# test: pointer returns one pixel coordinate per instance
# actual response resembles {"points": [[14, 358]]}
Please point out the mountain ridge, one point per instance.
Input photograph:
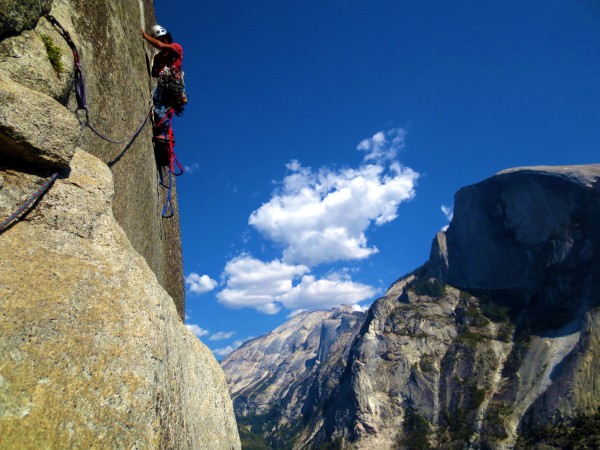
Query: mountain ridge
{"points": [[491, 342]]}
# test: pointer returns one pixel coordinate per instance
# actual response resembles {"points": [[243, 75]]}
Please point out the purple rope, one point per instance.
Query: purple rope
{"points": [[80, 90], [80, 94], [113, 141], [37, 194]]}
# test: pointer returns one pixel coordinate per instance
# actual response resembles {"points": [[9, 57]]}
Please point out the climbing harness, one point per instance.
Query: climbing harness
{"points": [[32, 198]]}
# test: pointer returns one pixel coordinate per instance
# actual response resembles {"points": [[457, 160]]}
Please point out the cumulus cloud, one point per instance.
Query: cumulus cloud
{"points": [[384, 145], [316, 217], [270, 286], [199, 332], [322, 216], [221, 335], [360, 308], [199, 284], [325, 293], [257, 284]]}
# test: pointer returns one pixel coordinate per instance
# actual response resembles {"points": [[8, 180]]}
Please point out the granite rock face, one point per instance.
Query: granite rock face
{"points": [[115, 65], [492, 344], [515, 229], [25, 117], [93, 352], [19, 15]]}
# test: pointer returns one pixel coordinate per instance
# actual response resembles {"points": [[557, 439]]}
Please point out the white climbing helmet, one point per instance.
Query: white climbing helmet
{"points": [[158, 31]]}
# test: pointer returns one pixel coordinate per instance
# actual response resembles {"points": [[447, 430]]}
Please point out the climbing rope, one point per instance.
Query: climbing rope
{"points": [[85, 123], [168, 210], [36, 195], [80, 94]]}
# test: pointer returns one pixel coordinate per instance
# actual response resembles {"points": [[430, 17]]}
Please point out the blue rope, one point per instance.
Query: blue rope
{"points": [[86, 124], [32, 198], [168, 210]]}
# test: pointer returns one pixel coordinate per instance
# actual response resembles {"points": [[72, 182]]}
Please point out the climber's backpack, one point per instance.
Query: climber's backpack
{"points": [[171, 85]]}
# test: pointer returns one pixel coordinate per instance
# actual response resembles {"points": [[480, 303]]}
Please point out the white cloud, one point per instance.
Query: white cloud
{"points": [[221, 335], [269, 287], [311, 293], [199, 332], [360, 308], [257, 284], [322, 216], [383, 146], [200, 284], [448, 212], [224, 351]]}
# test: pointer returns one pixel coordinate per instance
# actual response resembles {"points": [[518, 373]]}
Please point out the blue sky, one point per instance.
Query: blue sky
{"points": [[324, 140]]}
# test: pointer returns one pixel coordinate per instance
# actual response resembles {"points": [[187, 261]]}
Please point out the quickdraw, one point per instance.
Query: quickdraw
{"points": [[80, 91]]}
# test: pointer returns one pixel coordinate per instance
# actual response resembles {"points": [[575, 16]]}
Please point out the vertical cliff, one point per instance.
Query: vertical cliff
{"points": [[92, 347], [115, 64], [116, 68]]}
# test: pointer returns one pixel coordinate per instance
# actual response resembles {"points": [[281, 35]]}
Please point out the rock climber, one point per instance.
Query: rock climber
{"points": [[169, 97]]}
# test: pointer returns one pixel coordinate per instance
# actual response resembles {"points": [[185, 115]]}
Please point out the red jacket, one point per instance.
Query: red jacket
{"points": [[171, 56]]}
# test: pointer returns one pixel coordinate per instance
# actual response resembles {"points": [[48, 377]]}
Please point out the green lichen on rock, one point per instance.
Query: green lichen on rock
{"points": [[54, 54]]}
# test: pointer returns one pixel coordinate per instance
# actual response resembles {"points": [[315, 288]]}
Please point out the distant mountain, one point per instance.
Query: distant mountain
{"points": [[492, 344], [273, 375]]}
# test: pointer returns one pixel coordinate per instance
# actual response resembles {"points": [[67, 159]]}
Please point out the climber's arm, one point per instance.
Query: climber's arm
{"points": [[156, 43]]}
